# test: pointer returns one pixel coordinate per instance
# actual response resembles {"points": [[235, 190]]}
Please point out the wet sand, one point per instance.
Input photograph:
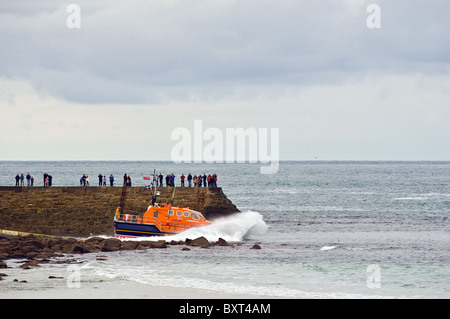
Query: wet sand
{"points": [[54, 283], [123, 290]]}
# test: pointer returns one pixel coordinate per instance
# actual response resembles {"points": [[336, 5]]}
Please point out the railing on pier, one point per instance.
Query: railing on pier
{"points": [[128, 218]]}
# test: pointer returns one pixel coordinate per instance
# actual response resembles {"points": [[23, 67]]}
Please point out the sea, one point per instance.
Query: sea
{"points": [[326, 229]]}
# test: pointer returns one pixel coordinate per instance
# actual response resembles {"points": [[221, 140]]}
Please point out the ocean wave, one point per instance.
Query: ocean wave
{"points": [[411, 198], [154, 278], [233, 228]]}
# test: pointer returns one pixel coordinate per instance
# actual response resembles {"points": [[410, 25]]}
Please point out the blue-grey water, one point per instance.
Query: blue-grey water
{"points": [[326, 229]]}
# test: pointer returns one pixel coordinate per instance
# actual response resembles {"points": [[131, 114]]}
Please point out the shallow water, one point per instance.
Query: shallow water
{"points": [[327, 230]]}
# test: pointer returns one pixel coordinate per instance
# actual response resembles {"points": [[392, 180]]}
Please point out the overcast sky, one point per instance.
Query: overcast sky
{"points": [[137, 70]]}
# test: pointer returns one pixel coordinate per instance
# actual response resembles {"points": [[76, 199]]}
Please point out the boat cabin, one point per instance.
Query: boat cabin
{"points": [[168, 218]]}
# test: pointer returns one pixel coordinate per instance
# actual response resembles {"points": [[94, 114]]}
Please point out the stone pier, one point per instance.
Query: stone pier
{"points": [[88, 211]]}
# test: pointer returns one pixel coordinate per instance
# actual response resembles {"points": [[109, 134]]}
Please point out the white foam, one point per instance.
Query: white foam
{"points": [[154, 278], [233, 228], [327, 247], [411, 198]]}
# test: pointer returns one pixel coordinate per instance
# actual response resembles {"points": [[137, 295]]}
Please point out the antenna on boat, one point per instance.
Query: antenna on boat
{"points": [[173, 194], [122, 198]]}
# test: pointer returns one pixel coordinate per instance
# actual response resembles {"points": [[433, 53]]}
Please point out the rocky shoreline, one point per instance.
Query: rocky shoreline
{"points": [[37, 249]]}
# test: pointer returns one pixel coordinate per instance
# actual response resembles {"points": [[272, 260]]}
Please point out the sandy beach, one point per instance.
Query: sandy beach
{"points": [[123, 290], [54, 282]]}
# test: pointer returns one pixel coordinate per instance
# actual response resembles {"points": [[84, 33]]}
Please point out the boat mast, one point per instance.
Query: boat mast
{"points": [[122, 197], [154, 193]]}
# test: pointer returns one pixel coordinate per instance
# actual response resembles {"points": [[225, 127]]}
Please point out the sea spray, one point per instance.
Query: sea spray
{"points": [[232, 228]]}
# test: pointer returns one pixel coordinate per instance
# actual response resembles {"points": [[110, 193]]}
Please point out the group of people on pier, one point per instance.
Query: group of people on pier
{"points": [[20, 180], [195, 181], [84, 180], [158, 180]]}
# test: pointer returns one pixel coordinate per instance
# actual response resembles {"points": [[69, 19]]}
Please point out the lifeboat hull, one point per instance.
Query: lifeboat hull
{"points": [[133, 230]]}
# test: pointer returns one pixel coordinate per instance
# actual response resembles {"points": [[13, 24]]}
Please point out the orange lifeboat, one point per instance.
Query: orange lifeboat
{"points": [[158, 220]]}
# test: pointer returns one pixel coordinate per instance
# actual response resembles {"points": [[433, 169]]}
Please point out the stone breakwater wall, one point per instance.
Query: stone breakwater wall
{"points": [[88, 211]]}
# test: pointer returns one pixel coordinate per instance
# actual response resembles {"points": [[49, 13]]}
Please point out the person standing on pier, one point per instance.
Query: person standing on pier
{"points": [[45, 178]]}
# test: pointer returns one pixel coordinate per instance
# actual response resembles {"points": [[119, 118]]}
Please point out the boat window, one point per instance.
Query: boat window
{"points": [[179, 213], [170, 212], [194, 216], [155, 214], [201, 216], [186, 214]]}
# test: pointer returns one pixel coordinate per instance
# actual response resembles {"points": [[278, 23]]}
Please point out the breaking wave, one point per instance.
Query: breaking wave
{"points": [[233, 228]]}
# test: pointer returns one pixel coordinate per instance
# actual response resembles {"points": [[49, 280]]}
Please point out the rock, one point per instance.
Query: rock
{"points": [[256, 246], [68, 240], [198, 242], [37, 244], [129, 245], [94, 240], [32, 255], [101, 258], [160, 244], [111, 244], [2, 265], [92, 247], [68, 248], [185, 249], [79, 249], [221, 242], [154, 244]]}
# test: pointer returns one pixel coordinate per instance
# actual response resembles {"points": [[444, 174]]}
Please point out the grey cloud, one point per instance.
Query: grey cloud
{"points": [[143, 52]]}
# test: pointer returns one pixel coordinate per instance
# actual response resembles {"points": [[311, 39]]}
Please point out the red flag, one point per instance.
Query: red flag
{"points": [[146, 178]]}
